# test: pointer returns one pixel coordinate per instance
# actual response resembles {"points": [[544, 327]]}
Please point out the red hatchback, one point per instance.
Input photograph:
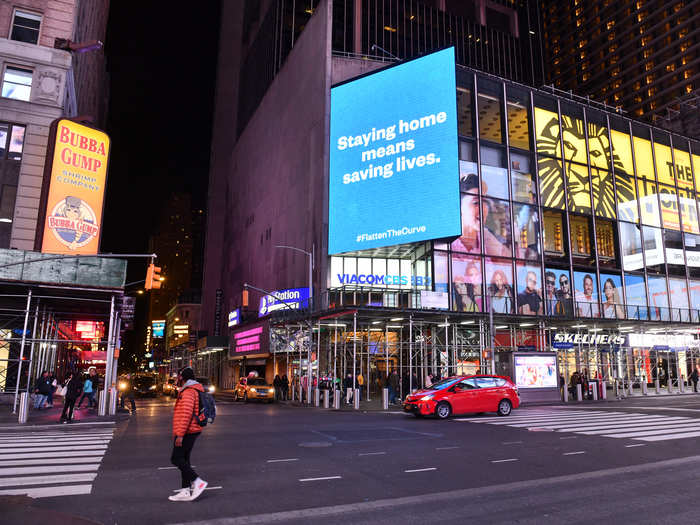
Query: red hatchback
{"points": [[464, 394]]}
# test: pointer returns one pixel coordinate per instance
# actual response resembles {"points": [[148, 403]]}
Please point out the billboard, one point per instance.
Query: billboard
{"points": [[536, 371], [158, 329], [253, 339], [292, 298], [76, 178], [394, 170]]}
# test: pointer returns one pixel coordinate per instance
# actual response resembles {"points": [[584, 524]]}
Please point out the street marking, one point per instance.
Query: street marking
{"points": [[281, 460], [50, 461], [320, 479], [14, 427], [672, 436], [52, 442], [42, 470], [49, 492], [45, 480], [569, 437], [371, 453], [511, 442], [54, 449], [636, 445], [41, 454], [421, 469], [574, 453], [207, 488], [503, 460], [446, 448]]}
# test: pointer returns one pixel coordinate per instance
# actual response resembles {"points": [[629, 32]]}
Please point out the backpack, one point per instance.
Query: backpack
{"points": [[207, 409]]}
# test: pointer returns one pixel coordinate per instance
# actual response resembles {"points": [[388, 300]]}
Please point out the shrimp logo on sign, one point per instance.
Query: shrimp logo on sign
{"points": [[73, 223]]}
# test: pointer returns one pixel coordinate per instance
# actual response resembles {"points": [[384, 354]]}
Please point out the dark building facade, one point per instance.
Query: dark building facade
{"points": [[638, 55], [574, 220]]}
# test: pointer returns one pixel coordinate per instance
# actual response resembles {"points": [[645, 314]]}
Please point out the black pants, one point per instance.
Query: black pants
{"points": [[68, 405], [695, 385], [131, 398], [181, 459]]}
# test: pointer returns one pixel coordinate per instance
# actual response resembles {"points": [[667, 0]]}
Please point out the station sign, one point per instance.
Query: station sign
{"points": [[291, 298]]}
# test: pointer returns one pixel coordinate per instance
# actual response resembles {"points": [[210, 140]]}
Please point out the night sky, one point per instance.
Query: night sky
{"points": [[162, 67]]}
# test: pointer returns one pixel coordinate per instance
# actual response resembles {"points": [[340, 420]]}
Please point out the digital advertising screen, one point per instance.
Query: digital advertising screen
{"points": [[535, 371], [394, 170], [158, 329]]}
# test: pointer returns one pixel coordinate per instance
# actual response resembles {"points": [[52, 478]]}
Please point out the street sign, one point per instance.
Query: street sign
{"points": [[563, 346]]}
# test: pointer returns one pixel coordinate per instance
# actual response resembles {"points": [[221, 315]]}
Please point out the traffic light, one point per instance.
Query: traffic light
{"points": [[153, 278], [244, 301]]}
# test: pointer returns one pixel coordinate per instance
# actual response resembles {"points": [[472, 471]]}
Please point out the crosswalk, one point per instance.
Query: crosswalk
{"points": [[52, 462], [621, 425]]}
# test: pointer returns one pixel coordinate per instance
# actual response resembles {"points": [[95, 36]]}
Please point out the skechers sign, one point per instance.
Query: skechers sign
{"points": [[589, 338], [293, 298], [394, 173]]}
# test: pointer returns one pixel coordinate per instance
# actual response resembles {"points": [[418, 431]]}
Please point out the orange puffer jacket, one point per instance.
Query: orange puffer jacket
{"points": [[186, 408]]}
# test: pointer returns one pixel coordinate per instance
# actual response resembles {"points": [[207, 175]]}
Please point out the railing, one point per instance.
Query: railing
{"points": [[512, 304]]}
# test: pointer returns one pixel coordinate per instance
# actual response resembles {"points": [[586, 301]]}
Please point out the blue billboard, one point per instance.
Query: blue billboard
{"points": [[158, 329], [291, 298], [394, 171]]}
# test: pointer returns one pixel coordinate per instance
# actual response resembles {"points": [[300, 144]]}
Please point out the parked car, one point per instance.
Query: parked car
{"points": [[464, 394], [254, 388]]}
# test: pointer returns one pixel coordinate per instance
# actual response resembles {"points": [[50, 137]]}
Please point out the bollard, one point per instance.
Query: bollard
{"points": [[317, 397], [101, 405], [595, 391], [301, 394], [113, 396], [631, 389], [604, 390], [356, 398], [23, 408], [669, 384], [657, 384], [644, 388], [385, 399], [579, 393], [565, 394], [681, 385], [326, 395], [336, 399]]}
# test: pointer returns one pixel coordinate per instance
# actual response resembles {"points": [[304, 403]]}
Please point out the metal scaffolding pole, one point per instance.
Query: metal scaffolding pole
{"points": [[354, 351], [410, 354], [21, 351], [31, 351], [108, 368]]}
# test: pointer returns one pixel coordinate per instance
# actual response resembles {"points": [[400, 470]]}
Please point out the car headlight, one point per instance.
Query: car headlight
{"points": [[212, 388], [271, 390], [426, 398], [152, 387], [122, 386]]}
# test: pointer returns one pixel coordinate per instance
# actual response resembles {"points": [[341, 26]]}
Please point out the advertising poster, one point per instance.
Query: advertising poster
{"points": [[394, 171], [73, 213], [499, 276], [535, 371], [612, 296], [529, 289], [558, 297], [586, 294]]}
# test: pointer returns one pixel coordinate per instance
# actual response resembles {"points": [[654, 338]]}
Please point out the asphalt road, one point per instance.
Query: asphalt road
{"points": [[635, 460]]}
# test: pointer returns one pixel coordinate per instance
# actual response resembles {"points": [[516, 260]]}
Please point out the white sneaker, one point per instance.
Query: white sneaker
{"points": [[198, 486], [181, 495]]}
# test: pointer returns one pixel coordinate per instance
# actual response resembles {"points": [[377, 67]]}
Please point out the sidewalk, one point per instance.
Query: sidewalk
{"points": [[51, 416]]}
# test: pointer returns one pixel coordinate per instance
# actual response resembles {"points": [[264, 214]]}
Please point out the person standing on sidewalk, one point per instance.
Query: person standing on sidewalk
{"points": [[42, 389], [694, 378], [185, 432], [393, 387], [74, 387]]}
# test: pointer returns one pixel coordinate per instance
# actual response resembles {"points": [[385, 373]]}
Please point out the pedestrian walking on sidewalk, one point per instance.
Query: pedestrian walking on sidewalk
{"points": [[393, 387], [348, 388], [42, 389], [694, 378], [128, 392], [54, 386], [185, 433], [88, 393], [74, 387], [277, 383], [285, 387]]}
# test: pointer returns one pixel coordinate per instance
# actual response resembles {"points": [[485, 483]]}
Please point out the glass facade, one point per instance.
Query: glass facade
{"points": [[569, 211]]}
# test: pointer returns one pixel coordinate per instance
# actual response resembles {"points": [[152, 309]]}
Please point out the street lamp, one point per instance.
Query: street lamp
{"points": [[310, 255]]}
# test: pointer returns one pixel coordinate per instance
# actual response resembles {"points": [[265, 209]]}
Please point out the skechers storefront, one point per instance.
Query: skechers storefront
{"points": [[472, 219]]}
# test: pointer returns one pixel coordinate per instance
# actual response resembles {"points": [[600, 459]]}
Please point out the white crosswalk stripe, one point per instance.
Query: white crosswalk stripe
{"points": [[51, 463], [620, 425]]}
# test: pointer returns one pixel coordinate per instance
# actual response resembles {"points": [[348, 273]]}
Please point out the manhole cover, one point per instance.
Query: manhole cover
{"points": [[316, 444], [540, 429]]}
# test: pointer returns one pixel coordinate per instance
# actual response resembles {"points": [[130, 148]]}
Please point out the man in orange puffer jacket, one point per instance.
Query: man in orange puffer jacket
{"points": [[185, 431]]}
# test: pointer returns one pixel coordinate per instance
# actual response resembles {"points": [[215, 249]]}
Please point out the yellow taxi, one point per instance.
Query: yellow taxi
{"points": [[254, 388]]}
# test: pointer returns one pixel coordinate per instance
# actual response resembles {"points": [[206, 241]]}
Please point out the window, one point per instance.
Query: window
{"points": [[7, 202], [25, 27], [554, 234], [605, 233], [17, 83], [15, 134], [580, 236], [485, 382], [466, 384]]}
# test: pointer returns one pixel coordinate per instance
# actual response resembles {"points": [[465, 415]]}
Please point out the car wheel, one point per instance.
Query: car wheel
{"points": [[245, 397], [443, 410], [235, 397], [504, 407]]}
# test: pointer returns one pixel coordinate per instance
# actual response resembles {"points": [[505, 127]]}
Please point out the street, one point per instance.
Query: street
{"points": [[635, 459]]}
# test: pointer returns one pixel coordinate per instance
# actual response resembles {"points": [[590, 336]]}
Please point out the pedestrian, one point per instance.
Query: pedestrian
{"points": [[88, 393], [277, 383], [185, 433], [348, 388], [393, 387], [360, 380], [285, 387], [54, 386], [428, 380], [694, 378], [128, 392], [42, 389], [74, 387]]}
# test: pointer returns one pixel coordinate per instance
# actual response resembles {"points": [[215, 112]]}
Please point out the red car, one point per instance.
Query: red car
{"points": [[463, 394]]}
